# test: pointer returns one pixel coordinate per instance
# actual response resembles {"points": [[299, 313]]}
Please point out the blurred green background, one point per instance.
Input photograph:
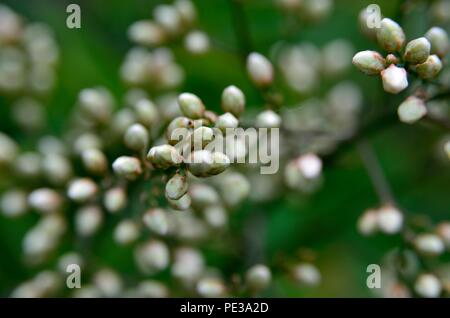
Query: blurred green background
{"points": [[324, 222]]}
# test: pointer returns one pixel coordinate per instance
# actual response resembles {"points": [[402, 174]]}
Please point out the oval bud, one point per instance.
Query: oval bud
{"points": [[368, 222], [8, 149], [390, 35], [94, 161], [307, 274], [164, 156], [115, 199], [390, 219], [45, 200], [191, 106], [136, 137], [126, 232], [204, 163], [430, 68], [428, 286], [233, 100], [429, 244], [146, 112], [260, 70], [201, 137], [196, 42], [146, 33], [258, 277], [440, 44], [411, 110], [88, 220], [181, 204], [176, 187], [157, 221], [369, 62], [225, 121], [268, 119], [13, 203], [82, 190], [127, 167], [394, 79], [417, 51]]}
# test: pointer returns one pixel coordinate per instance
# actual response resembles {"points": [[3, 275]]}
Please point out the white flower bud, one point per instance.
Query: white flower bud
{"points": [[181, 204], [56, 168], [188, 265], [152, 256], [168, 17], [146, 33], [196, 42], [225, 121], [216, 216], [82, 190], [365, 29], [260, 70], [233, 100], [186, 10], [45, 200], [307, 274], [126, 232], [234, 188], [152, 289], [115, 199], [368, 222], [146, 112], [390, 219], [96, 103], [108, 282], [176, 187], [428, 286], [430, 68], [394, 79], [136, 137], [390, 35], [203, 163], [8, 149], [443, 230], [67, 259], [211, 287], [411, 110], [191, 106], [164, 156], [127, 167], [87, 141], [203, 195], [429, 244], [122, 119], [157, 221], [94, 161], [268, 119], [417, 51], [88, 220], [178, 125], [447, 148], [440, 43], [29, 165], [316, 10], [13, 203], [369, 62], [258, 277]]}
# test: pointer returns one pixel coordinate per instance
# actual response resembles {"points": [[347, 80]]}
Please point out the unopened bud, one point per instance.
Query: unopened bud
{"points": [[260, 70], [203, 163], [176, 187], [268, 119], [390, 35], [127, 167], [94, 160], [211, 287], [430, 68], [146, 33], [186, 10], [88, 220], [82, 190], [167, 17], [8, 149], [181, 204], [191, 106], [417, 51], [96, 103], [152, 256], [203, 195], [369, 62], [164, 156], [136, 137], [202, 136], [440, 44], [443, 230], [412, 109], [13, 203], [307, 274], [146, 112], [115, 199], [234, 188], [429, 244], [126, 232], [258, 277], [196, 42], [428, 286], [157, 221], [233, 100], [368, 222], [391, 59], [225, 121], [45, 200], [394, 79], [56, 168], [390, 219]]}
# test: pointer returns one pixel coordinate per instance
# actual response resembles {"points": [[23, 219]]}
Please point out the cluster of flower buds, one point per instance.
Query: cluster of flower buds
{"points": [[386, 219], [421, 56]]}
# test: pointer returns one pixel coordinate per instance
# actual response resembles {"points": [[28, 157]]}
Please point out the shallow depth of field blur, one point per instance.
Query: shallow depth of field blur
{"points": [[279, 229]]}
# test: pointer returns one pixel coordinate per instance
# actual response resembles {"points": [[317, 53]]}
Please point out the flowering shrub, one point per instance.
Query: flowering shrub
{"points": [[142, 174]]}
